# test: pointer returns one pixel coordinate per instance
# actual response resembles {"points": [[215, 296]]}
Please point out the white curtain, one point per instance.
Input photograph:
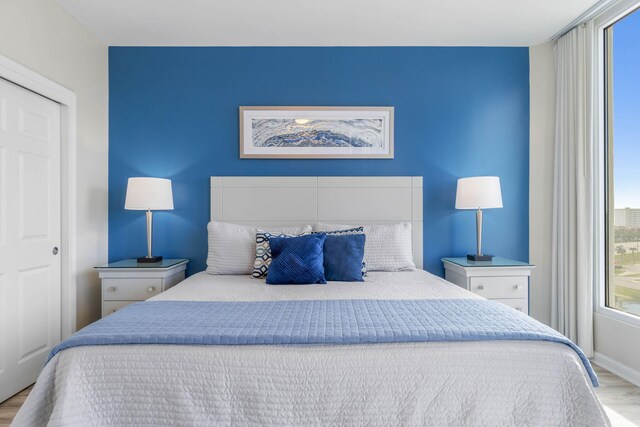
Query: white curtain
{"points": [[573, 208]]}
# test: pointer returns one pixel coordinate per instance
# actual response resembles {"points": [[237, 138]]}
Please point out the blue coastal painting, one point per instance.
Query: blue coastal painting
{"points": [[318, 133], [321, 132]]}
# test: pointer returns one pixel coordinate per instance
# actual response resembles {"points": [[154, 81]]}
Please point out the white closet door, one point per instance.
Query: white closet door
{"points": [[29, 234]]}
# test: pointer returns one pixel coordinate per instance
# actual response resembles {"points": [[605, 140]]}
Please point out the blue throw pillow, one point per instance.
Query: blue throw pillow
{"points": [[343, 257], [354, 230], [296, 260]]}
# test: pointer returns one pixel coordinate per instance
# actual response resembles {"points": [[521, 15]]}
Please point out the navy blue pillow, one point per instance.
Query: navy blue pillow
{"points": [[296, 260], [343, 255]]}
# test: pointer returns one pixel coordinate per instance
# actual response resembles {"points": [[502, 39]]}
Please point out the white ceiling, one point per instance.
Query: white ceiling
{"points": [[325, 22]]}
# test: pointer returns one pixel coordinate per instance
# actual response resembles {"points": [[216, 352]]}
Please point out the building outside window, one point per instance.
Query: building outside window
{"points": [[623, 160]]}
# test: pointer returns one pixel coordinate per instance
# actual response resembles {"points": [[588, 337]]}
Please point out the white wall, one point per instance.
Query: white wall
{"points": [[617, 347], [43, 37], [541, 140]]}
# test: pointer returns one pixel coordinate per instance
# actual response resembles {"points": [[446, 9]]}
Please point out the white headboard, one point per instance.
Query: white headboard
{"points": [[266, 201]]}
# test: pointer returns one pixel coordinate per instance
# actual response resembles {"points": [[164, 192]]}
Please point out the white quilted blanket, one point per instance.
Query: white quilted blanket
{"points": [[460, 383]]}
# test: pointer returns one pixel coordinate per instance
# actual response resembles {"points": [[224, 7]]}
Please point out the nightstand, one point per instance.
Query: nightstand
{"points": [[502, 279], [125, 282]]}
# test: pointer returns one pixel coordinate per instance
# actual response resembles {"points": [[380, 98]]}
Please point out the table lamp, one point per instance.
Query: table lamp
{"points": [[479, 192], [149, 194]]}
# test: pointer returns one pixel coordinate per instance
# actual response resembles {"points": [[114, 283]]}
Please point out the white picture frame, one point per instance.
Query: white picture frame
{"points": [[316, 132]]}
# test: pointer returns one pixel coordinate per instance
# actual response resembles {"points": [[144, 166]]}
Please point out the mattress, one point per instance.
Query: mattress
{"points": [[451, 383], [416, 284]]}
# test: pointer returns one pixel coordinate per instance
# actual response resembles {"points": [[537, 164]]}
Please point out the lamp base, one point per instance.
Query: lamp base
{"points": [[479, 257], [149, 260]]}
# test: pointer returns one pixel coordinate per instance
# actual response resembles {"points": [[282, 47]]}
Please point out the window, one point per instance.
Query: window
{"points": [[622, 111]]}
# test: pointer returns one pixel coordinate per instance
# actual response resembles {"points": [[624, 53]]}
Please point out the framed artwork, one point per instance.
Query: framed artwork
{"points": [[316, 132]]}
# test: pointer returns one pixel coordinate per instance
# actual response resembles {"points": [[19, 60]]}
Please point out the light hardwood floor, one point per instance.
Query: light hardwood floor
{"points": [[9, 408], [620, 399]]}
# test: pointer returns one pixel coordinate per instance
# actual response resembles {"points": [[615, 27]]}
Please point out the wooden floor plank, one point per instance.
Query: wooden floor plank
{"points": [[620, 398], [9, 408]]}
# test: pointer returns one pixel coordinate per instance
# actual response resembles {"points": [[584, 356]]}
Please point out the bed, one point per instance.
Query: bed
{"points": [[472, 382]]}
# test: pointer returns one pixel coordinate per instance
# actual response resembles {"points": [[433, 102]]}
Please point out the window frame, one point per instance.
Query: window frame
{"points": [[603, 167]]}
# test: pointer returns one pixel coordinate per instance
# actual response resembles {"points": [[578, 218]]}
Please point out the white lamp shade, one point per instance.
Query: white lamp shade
{"points": [[149, 193], [479, 192]]}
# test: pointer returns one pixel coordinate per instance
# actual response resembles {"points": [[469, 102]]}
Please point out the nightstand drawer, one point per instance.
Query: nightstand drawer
{"points": [[109, 307], [130, 289], [500, 287], [520, 304]]}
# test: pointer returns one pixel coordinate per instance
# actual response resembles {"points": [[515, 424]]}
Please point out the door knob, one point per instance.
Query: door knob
{"points": [[55, 250]]}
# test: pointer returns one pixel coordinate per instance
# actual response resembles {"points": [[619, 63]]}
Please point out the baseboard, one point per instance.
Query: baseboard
{"points": [[615, 367]]}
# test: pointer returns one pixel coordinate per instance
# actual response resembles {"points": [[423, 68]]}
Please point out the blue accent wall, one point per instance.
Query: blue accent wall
{"points": [[173, 112]]}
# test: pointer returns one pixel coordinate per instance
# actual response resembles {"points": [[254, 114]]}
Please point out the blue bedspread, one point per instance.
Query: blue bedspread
{"points": [[314, 322]]}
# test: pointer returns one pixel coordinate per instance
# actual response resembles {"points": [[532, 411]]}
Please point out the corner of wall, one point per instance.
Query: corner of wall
{"points": [[42, 36], [541, 158]]}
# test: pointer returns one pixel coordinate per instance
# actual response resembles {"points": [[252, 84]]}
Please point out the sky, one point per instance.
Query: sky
{"points": [[626, 111]]}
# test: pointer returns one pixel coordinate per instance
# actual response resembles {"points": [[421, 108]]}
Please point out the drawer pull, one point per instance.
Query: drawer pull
{"points": [[517, 287], [151, 289], [480, 287], [111, 289], [113, 311], [518, 308]]}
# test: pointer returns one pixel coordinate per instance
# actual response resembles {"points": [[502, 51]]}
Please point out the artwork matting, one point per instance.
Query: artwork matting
{"points": [[316, 132]]}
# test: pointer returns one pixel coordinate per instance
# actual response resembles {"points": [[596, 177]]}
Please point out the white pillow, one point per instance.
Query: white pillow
{"points": [[387, 246], [232, 247]]}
